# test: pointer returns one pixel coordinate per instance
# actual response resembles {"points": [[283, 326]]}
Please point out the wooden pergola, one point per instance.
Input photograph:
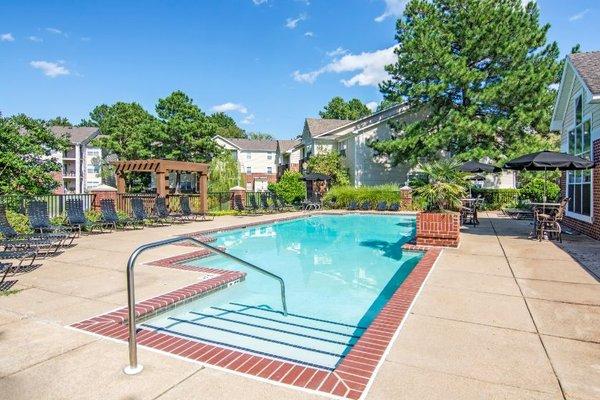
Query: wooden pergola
{"points": [[162, 168]]}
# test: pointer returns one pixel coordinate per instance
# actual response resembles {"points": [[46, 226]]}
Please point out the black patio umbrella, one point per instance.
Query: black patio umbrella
{"points": [[477, 167], [314, 176], [548, 160]]}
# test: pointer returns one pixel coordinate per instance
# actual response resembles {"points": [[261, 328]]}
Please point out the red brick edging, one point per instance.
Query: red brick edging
{"points": [[349, 379]]}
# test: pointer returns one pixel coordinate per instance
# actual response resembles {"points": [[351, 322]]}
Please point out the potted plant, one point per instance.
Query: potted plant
{"points": [[440, 194]]}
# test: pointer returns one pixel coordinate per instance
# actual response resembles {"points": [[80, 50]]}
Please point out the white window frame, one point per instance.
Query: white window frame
{"points": [[248, 156], [248, 169], [269, 170], [269, 156], [584, 117]]}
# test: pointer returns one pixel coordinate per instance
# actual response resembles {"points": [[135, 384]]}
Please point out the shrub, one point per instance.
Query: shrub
{"points": [[341, 196], [444, 188], [330, 164], [533, 190], [290, 188], [18, 221], [496, 199]]}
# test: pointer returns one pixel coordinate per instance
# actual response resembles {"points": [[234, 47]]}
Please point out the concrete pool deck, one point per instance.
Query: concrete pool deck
{"points": [[502, 316]]}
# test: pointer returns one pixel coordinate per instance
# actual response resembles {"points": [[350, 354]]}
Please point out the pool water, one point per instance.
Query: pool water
{"points": [[339, 271]]}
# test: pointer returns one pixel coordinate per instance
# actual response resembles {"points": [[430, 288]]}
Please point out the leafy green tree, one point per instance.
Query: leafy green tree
{"points": [[224, 173], [338, 108], [26, 165], [480, 69], [260, 136], [128, 131], [331, 164], [226, 126], [96, 116], [186, 132], [59, 121], [290, 187]]}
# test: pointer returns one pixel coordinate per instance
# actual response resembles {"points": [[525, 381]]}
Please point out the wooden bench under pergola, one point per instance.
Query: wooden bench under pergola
{"points": [[162, 168]]}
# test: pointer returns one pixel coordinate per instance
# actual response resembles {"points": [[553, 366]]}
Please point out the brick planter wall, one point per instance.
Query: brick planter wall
{"points": [[593, 229], [438, 229]]}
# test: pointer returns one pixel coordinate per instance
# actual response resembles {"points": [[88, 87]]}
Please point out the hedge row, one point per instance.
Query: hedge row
{"points": [[341, 196], [496, 199]]}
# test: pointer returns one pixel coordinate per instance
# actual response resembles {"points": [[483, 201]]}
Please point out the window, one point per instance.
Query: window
{"points": [[93, 169], [269, 170], [269, 156], [248, 170], [248, 156], [579, 183]]}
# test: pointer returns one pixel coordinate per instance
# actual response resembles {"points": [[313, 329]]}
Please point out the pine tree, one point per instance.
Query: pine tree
{"points": [[480, 70]]}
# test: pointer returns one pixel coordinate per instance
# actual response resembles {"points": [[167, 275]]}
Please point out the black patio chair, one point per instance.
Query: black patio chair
{"points": [[394, 207], [238, 205], [21, 256], [365, 206], [162, 211], [381, 206], [37, 211], [186, 211], [264, 202], [12, 240], [352, 206], [253, 204], [139, 214], [76, 219], [111, 218]]}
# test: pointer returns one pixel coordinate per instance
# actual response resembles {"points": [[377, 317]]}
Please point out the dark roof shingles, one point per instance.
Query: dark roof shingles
{"points": [[76, 134], [588, 66], [254, 145]]}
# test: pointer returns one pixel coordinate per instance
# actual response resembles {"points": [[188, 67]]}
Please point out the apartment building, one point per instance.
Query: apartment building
{"points": [[256, 158], [80, 163]]}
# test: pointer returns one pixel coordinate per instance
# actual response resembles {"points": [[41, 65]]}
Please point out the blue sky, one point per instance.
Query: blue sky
{"points": [[268, 63]]}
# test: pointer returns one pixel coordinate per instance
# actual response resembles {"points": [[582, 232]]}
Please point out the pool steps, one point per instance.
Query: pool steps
{"points": [[297, 338]]}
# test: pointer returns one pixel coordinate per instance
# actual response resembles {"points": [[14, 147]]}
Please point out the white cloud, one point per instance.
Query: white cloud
{"points": [[35, 39], [86, 39], [372, 105], [393, 8], [55, 31], [292, 23], [50, 69], [579, 15], [369, 65], [337, 52], [248, 120], [309, 34], [259, 2], [7, 37], [230, 107]]}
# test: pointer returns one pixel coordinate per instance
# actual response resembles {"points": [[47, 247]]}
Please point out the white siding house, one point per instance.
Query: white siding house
{"points": [[577, 118]]}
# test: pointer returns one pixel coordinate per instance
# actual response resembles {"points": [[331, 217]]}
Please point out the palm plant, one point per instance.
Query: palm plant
{"points": [[444, 188]]}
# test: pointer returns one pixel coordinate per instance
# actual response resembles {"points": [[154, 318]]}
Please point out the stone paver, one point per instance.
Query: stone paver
{"points": [[470, 334]]}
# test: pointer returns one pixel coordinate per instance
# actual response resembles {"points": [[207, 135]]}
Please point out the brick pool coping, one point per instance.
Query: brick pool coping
{"points": [[350, 379]]}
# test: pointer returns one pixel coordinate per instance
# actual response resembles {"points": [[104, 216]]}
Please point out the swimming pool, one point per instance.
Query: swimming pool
{"points": [[339, 271]]}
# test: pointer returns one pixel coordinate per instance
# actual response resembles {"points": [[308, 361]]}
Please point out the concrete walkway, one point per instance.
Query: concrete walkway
{"points": [[501, 317]]}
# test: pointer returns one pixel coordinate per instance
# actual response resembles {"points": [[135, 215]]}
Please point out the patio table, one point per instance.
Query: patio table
{"points": [[543, 206]]}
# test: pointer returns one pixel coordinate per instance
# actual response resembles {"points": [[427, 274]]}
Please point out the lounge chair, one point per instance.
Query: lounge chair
{"points": [[12, 240], [111, 218], [381, 206], [394, 207], [139, 213], [264, 202], [37, 211], [162, 212], [353, 206], [238, 205], [76, 219], [186, 211], [366, 206], [20, 255], [253, 204]]}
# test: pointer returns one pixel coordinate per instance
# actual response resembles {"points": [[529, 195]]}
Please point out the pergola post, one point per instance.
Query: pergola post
{"points": [[160, 184], [121, 183], [203, 190]]}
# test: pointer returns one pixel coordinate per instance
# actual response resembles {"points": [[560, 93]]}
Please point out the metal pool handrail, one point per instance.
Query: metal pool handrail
{"points": [[134, 367]]}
